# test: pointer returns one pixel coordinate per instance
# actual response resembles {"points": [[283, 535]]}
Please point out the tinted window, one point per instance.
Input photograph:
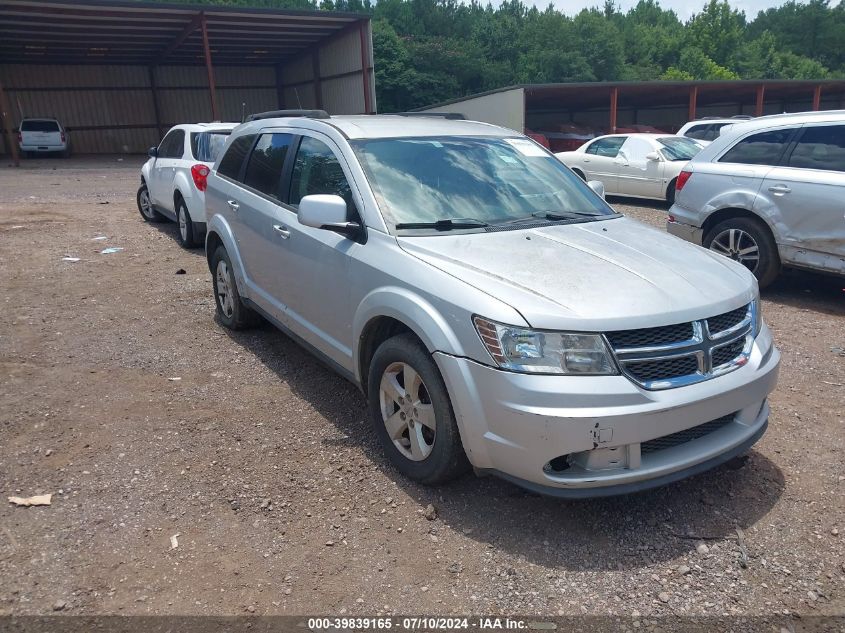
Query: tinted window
{"points": [[264, 169], [173, 145], [701, 132], [39, 126], [608, 147], [717, 130], [317, 170], [765, 148], [233, 159], [820, 148], [206, 146]]}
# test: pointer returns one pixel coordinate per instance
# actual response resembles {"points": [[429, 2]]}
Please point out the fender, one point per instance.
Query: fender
{"points": [[145, 170], [733, 198], [411, 309], [183, 184], [218, 227]]}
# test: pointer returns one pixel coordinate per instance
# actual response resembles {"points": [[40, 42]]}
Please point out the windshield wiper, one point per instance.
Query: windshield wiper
{"points": [[565, 215], [444, 225]]}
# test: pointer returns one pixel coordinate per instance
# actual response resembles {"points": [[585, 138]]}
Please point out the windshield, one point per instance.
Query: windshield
{"points": [[678, 147], [488, 180], [206, 146]]}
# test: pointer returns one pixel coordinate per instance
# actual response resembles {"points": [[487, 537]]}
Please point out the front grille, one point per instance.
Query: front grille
{"points": [[687, 435], [727, 320], [727, 353], [647, 371], [651, 336]]}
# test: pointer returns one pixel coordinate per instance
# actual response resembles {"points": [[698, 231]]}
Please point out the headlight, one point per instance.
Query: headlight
{"points": [[538, 352]]}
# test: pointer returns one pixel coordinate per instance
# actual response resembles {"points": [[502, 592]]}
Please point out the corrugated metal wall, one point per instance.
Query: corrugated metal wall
{"points": [[110, 109]]}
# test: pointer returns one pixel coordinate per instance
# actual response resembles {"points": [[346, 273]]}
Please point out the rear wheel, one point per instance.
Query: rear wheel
{"points": [[145, 205], [748, 242], [670, 192], [187, 232], [412, 414], [231, 310]]}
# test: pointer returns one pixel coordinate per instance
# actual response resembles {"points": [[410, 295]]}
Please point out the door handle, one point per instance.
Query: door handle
{"points": [[780, 190], [233, 205], [282, 230]]}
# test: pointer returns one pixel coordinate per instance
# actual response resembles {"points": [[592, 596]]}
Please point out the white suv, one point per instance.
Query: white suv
{"points": [[707, 130], [43, 136], [173, 180]]}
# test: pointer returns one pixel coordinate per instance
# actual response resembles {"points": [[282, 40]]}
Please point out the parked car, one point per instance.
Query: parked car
{"points": [[769, 193], [43, 136], [706, 130], [173, 180], [494, 310], [637, 165]]}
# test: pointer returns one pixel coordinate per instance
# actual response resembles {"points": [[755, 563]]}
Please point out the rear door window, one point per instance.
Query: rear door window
{"points": [[233, 159], [821, 147], [264, 169], [607, 147], [206, 146], [765, 148], [39, 126], [317, 170], [173, 145]]}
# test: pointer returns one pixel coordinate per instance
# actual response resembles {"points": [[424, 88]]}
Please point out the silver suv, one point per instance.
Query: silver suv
{"points": [[490, 305], [769, 193]]}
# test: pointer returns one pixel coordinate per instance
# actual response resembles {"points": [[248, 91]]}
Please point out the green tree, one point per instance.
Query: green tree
{"points": [[718, 32]]}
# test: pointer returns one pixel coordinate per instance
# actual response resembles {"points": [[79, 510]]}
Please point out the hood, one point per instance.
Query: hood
{"points": [[595, 276]]}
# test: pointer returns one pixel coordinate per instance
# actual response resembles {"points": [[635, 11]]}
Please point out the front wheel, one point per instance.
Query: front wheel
{"points": [[670, 192], [145, 205], [748, 242], [231, 310], [412, 414]]}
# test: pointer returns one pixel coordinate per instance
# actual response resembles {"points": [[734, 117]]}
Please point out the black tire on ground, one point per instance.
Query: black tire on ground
{"points": [[233, 313], [768, 263], [447, 459], [186, 231], [145, 205], [670, 192]]}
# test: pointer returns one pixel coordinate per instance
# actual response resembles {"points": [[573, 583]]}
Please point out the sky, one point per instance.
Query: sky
{"points": [[684, 8]]}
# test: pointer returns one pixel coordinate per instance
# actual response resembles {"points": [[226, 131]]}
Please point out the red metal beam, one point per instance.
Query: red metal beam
{"points": [[211, 88], [365, 67], [817, 97], [614, 99], [6, 122], [190, 27], [693, 102], [761, 97]]}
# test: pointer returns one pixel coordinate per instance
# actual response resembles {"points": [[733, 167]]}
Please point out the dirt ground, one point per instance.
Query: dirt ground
{"points": [[121, 396]]}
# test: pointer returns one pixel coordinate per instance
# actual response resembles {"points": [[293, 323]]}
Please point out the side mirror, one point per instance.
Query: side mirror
{"points": [[321, 211], [152, 152], [652, 156], [597, 186]]}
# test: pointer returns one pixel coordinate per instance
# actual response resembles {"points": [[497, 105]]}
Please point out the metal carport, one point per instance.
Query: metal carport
{"points": [[119, 73]]}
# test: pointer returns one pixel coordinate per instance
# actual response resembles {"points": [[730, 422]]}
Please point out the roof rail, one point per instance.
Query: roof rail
{"points": [[278, 114], [454, 116], [742, 116]]}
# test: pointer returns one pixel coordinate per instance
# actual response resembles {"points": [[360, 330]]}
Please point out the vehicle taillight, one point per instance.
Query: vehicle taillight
{"points": [[682, 180], [670, 218], [20, 138], [63, 137], [200, 175]]}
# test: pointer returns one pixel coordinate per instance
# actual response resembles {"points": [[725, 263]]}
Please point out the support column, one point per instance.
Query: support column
{"points": [[156, 110], [614, 98], [365, 66], [761, 97], [817, 97], [211, 87], [315, 70], [693, 103], [6, 122]]}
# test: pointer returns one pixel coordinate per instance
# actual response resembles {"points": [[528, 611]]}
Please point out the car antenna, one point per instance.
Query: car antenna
{"points": [[298, 102], [243, 111]]}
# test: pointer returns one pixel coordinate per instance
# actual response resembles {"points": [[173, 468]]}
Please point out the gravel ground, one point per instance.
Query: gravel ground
{"points": [[121, 396]]}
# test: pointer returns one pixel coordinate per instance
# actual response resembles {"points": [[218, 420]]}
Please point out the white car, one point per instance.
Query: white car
{"points": [[43, 136], [637, 165], [173, 180], [707, 130]]}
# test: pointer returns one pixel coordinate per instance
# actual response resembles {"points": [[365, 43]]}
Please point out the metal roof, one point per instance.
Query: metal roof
{"points": [[152, 33]]}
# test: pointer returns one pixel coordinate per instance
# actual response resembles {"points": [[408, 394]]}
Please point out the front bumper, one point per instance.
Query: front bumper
{"points": [[518, 425]]}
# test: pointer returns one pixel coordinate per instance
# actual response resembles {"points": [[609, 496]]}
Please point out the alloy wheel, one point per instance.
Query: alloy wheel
{"points": [[407, 411], [146, 205], [183, 224], [224, 289], [739, 246]]}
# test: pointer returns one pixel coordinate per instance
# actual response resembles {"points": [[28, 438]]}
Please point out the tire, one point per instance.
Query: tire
{"points": [[670, 192], [425, 444], [580, 174], [145, 205], [737, 235], [187, 233], [232, 311]]}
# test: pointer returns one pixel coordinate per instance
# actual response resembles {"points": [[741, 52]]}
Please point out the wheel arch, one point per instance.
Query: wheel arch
{"points": [[733, 212], [219, 233]]}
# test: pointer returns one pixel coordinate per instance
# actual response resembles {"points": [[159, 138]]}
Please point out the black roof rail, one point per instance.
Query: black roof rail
{"points": [[454, 116], [742, 116], [277, 114]]}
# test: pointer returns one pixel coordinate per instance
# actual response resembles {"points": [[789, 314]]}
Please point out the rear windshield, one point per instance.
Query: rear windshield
{"points": [[206, 146], [678, 147], [39, 126]]}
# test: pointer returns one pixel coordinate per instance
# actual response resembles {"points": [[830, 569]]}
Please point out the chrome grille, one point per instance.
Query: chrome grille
{"points": [[687, 435], [685, 353]]}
